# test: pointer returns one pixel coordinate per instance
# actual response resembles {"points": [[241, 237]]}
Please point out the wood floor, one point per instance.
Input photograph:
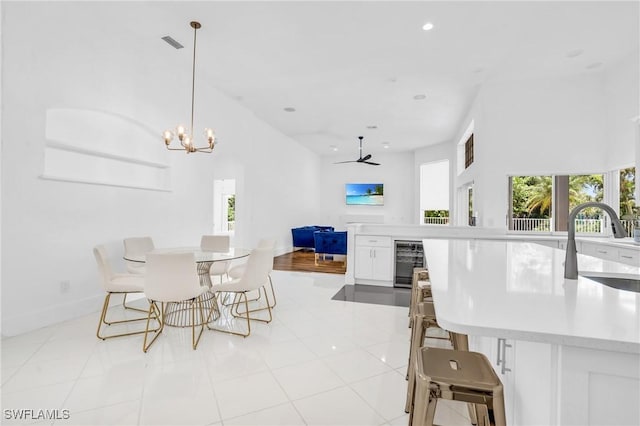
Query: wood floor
{"points": [[304, 261]]}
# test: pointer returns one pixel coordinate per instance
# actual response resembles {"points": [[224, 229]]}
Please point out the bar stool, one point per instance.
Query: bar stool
{"points": [[420, 290], [457, 376], [424, 319]]}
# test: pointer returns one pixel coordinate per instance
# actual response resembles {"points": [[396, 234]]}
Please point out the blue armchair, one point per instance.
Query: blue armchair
{"points": [[303, 236], [330, 242]]}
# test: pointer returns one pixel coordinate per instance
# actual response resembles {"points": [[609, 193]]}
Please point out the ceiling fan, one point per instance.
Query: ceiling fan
{"points": [[362, 159]]}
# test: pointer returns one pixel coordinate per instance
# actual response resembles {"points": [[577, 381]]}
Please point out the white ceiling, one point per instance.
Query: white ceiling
{"points": [[347, 65]]}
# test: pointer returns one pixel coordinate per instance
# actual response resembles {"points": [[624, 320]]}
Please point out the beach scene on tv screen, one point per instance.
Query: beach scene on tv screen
{"points": [[370, 194]]}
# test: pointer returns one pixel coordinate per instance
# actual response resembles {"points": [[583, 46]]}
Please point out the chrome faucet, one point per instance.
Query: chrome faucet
{"points": [[570, 260]]}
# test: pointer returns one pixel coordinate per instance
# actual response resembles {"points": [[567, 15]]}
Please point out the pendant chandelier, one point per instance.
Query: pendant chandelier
{"points": [[186, 136]]}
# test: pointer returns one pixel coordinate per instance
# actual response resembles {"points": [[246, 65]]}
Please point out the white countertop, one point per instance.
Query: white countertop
{"points": [[418, 232], [517, 290]]}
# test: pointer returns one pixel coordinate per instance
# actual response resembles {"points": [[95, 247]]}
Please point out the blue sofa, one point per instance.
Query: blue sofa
{"points": [[303, 236], [329, 243]]}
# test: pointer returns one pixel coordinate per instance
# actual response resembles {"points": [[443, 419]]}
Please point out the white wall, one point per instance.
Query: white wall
{"points": [[547, 126], [622, 100], [49, 227], [396, 172]]}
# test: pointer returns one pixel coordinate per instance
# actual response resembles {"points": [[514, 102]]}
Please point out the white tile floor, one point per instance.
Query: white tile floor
{"points": [[320, 362]]}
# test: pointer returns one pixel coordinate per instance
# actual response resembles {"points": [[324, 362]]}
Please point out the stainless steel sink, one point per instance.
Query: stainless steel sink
{"points": [[620, 283]]}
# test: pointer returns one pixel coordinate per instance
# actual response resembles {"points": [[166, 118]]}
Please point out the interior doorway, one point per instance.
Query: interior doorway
{"points": [[224, 202], [466, 215]]}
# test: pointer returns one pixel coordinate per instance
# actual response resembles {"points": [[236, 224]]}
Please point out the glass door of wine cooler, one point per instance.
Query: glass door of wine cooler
{"points": [[409, 255]]}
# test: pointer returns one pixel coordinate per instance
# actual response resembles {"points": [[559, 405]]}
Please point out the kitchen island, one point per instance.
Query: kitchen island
{"points": [[371, 248], [567, 351]]}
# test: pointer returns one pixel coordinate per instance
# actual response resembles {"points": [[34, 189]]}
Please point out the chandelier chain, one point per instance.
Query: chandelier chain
{"points": [[193, 75]]}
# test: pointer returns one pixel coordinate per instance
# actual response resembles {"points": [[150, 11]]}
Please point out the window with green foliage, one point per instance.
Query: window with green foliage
{"points": [[543, 203], [231, 208], [439, 217], [628, 205]]}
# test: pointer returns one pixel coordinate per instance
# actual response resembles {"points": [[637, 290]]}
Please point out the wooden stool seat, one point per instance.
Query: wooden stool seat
{"points": [[458, 376]]}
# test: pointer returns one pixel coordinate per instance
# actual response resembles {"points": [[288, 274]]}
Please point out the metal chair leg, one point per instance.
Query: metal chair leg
{"points": [[124, 304], [153, 308], [103, 321]]}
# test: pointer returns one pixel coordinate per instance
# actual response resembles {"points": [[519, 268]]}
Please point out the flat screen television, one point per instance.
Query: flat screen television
{"points": [[367, 194]]}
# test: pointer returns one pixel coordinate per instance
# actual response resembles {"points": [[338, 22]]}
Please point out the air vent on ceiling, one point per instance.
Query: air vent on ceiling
{"points": [[172, 42]]}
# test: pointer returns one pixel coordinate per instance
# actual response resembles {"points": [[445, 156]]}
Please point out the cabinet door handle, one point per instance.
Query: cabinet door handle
{"points": [[626, 257], [504, 356], [499, 352], [602, 251]]}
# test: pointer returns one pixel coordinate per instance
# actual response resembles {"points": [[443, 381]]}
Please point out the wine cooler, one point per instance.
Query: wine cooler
{"points": [[409, 255]]}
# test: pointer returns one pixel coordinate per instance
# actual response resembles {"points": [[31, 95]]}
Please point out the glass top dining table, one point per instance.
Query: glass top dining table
{"points": [[176, 313], [202, 256]]}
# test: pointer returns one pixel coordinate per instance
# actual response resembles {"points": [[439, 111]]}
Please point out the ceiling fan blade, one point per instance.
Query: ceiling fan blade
{"points": [[361, 159]]}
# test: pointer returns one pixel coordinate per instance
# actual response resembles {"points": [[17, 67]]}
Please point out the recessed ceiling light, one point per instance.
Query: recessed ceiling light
{"points": [[574, 53], [385, 145], [420, 97], [290, 109], [428, 26], [594, 65], [372, 127], [333, 147]]}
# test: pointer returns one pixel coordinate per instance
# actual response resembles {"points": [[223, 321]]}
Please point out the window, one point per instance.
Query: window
{"points": [[224, 206], [434, 193], [542, 203], [470, 216], [629, 209], [231, 212], [465, 150], [468, 152]]}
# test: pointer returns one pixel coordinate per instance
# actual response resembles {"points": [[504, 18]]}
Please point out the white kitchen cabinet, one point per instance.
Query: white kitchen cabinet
{"points": [[534, 368], [609, 252], [599, 387], [549, 384], [599, 250], [632, 257], [373, 258], [526, 370], [500, 353]]}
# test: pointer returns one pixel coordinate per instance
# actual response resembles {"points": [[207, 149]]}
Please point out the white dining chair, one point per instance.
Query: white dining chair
{"points": [[255, 277], [137, 246], [116, 283], [236, 271], [173, 278], [218, 244]]}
